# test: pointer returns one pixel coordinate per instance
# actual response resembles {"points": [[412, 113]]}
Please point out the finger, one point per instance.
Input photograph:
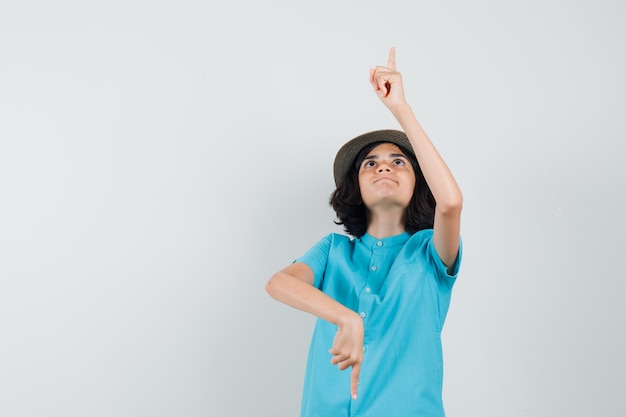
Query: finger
{"points": [[373, 79], [354, 380], [383, 83], [392, 58], [374, 82], [338, 360], [338, 357]]}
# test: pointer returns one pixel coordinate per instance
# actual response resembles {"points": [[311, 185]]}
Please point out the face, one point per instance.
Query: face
{"points": [[386, 177]]}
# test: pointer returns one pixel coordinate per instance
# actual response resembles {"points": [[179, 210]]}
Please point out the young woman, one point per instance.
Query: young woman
{"points": [[381, 297]]}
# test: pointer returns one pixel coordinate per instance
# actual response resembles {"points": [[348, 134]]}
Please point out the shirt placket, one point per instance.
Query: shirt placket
{"points": [[366, 296]]}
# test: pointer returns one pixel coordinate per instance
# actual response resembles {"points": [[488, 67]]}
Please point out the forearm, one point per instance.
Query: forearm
{"points": [[299, 294], [440, 180], [293, 286]]}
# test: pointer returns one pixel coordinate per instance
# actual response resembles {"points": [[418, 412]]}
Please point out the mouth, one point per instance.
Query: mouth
{"points": [[385, 179]]}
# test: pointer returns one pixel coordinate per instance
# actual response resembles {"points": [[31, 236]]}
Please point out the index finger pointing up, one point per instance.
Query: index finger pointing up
{"points": [[392, 58]]}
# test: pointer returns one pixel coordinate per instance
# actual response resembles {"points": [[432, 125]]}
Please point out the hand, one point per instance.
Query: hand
{"points": [[387, 83], [347, 349]]}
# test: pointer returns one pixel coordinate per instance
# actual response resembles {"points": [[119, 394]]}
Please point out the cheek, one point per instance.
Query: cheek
{"points": [[361, 181], [411, 186], [412, 179], [364, 191]]}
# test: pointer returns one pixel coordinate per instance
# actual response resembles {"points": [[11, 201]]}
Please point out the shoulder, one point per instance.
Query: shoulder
{"points": [[340, 246], [421, 245], [423, 239], [332, 242], [420, 238], [336, 239], [340, 239]]}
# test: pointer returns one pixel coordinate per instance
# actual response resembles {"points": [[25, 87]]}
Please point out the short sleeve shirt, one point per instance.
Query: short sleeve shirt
{"points": [[401, 289]]}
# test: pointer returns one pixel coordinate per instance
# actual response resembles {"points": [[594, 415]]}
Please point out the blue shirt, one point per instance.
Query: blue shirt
{"points": [[401, 289]]}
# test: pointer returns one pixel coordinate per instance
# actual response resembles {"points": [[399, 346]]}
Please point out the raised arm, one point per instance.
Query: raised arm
{"points": [[294, 286], [387, 83]]}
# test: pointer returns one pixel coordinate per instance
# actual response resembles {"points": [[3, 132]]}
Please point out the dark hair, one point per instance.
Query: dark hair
{"points": [[351, 211]]}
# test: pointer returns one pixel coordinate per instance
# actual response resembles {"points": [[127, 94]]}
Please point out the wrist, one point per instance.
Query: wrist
{"points": [[401, 110], [348, 318]]}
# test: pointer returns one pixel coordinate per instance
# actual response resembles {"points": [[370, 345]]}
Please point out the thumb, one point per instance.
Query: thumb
{"points": [[354, 380]]}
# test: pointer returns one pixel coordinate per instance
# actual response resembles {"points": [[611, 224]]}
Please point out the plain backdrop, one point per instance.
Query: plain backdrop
{"points": [[159, 160]]}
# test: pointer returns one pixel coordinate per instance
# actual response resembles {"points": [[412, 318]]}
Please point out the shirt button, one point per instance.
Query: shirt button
{"points": [[364, 349], [362, 314], [379, 243], [374, 268], [368, 289]]}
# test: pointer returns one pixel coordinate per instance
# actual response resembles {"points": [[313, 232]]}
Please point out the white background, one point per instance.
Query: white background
{"points": [[159, 160]]}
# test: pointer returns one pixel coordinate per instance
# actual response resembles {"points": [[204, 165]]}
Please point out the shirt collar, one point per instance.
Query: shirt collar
{"points": [[371, 242]]}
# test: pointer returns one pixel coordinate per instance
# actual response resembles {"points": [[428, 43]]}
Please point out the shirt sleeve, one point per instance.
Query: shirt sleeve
{"points": [[446, 274], [445, 278], [317, 259]]}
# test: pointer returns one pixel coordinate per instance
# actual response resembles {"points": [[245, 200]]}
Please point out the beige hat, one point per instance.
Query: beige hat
{"points": [[348, 152]]}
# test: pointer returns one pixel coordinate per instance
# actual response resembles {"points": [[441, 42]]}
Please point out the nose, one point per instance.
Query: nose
{"points": [[384, 167]]}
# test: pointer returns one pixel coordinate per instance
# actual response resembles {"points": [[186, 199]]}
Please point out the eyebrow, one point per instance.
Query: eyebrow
{"points": [[393, 155]]}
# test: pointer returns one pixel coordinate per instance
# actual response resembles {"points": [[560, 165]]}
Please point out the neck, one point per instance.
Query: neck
{"points": [[386, 224]]}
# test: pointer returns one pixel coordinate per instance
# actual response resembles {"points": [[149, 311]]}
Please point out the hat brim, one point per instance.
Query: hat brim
{"points": [[347, 154]]}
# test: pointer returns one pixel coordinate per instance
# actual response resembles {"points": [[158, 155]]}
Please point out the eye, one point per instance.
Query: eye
{"points": [[398, 162], [369, 164]]}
